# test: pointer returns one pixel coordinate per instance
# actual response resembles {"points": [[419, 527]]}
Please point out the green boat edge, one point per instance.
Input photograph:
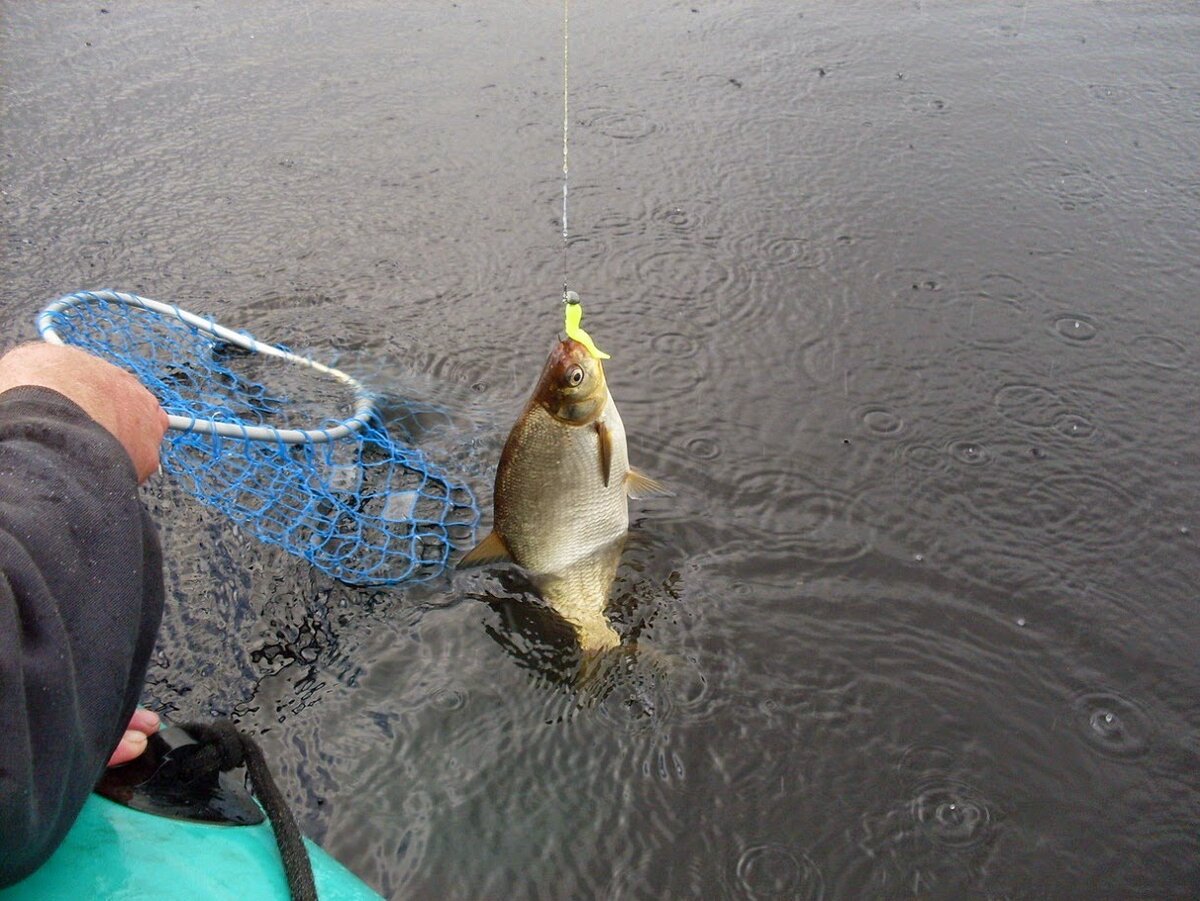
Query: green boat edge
{"points": [[115, 852]]}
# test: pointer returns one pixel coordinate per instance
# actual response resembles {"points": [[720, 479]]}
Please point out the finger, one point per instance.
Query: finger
{"points": [[144, 720], [132, 744]]}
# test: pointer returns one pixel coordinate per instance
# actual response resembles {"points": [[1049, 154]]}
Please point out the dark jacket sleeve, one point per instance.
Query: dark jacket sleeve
{"points": [[81, 597]]}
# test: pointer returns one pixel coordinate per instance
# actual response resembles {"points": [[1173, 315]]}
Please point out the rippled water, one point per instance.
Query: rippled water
{"points": [[901, 301]]}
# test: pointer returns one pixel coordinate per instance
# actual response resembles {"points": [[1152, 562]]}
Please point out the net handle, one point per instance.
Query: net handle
{"points": [[364, 406]]}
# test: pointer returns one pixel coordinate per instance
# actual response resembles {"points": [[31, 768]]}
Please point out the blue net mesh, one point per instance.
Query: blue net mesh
{"points": [[361, 508]]}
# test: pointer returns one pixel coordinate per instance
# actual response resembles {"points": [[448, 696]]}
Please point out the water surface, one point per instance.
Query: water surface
{"points": [[901, 301]]}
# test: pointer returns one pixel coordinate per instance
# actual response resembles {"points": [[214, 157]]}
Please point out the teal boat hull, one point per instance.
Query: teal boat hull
{"points": [[114, 852]]}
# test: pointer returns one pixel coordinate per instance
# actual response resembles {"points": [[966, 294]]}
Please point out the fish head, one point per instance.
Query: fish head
{"points": [[572, 387]]}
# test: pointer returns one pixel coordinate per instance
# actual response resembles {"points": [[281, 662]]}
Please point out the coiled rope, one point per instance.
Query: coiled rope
{"points": [[221, 746]]}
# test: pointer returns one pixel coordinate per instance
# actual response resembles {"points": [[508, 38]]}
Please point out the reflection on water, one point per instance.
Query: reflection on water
{"points": [[902, 296]]}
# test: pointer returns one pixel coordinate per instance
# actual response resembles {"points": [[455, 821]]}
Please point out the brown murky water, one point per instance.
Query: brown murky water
{"points": [[901, 301]]}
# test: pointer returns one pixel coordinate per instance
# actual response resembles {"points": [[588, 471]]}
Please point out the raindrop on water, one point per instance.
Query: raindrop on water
{"points": [[1106, 723], [952, 814], [1074, 426], [882, 422], [970, 453], [1116, 727], [1074, 328], [703, 448], [773, 871]]}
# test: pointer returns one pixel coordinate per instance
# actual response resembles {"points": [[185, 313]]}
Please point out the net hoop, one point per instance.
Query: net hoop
{"points": [[364, 405]]}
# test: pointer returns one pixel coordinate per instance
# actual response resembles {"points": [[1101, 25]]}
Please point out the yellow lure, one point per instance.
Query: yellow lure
{"points": [[574, 313]]}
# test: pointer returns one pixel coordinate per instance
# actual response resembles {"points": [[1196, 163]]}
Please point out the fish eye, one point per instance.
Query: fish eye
{"points": [[575, 376]]}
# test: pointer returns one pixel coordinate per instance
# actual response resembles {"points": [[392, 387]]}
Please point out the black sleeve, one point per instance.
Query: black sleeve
{"points": [[81, 597]]}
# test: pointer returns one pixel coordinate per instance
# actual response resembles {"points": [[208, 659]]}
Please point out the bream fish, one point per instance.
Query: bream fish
{"points": [[560, 508]]}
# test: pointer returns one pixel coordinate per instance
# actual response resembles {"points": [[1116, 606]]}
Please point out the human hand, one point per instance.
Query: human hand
{"points": [[142, 725], [109, 395]]}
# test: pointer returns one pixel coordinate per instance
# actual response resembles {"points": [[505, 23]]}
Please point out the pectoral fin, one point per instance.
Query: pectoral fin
{"points": [[491, 550], [605, 451], [638, 486]]}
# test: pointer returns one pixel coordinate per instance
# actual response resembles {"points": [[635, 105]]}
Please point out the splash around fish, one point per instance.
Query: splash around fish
{"points": [[563, 484]]}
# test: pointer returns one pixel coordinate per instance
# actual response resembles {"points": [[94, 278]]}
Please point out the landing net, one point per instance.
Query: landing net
{"points": [[291, 450]]}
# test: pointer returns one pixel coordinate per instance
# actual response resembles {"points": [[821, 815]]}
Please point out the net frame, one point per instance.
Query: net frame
{"points": [[364, 405]]}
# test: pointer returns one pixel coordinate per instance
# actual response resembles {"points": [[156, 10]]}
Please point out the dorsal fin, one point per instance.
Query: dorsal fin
{"points": [[639, 485]]}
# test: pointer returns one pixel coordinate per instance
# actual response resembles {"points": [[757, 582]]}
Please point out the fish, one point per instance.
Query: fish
{"points": [[562, 490]]}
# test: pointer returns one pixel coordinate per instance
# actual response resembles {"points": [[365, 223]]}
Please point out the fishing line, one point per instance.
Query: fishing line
{"points": [[566, 121], [572, 310]]}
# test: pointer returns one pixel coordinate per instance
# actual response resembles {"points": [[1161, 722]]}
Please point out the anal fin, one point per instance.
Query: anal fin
{"points": [[491, 550]]}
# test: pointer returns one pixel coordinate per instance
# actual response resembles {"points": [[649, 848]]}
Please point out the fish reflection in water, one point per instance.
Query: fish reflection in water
{"points": [[546, 645]]}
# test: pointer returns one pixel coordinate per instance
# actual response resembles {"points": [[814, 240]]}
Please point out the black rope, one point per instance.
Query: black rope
{"points": [[223, 747]]}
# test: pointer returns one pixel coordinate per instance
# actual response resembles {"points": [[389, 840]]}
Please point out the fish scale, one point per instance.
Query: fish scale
{"points": [[552, 505]]}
